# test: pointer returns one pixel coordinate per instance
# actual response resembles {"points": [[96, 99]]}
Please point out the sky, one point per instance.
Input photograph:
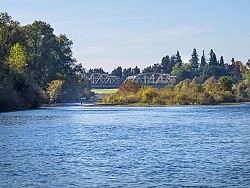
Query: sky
{"points": [[112, 33]]}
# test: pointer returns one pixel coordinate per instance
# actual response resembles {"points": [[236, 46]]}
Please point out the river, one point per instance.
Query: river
{"points": [[85, 146]]}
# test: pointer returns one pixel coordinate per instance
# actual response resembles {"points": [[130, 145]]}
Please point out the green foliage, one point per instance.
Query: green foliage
{"points": [[17, 59], [203, 60], [54, 90], [148, 94], [31, 57], [117, 72], [187, 92], [226, 83], [213, 59]]}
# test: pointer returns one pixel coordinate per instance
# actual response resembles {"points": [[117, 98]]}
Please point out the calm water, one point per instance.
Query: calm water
{"points": [[76, 146]]}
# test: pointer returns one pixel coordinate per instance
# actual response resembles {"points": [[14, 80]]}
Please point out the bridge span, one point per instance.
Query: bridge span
{"points": [[98, 80], [152, 79]]}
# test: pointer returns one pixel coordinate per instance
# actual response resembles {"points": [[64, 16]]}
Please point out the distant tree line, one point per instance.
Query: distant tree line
{"points": [[200, 81], [36, 66], [202, 68]]}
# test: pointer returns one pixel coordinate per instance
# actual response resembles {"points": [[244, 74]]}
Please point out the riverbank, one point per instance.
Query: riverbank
{"points": [[115, 105]]}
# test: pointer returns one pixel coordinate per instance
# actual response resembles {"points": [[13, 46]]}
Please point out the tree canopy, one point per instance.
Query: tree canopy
{"points": [[32, 57]]}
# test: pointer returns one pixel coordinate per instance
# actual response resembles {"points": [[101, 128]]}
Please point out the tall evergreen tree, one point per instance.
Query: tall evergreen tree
{"points": [[166, 65], [178, 57], [203, 60], [213, 59], [232, 60], [221, 64], [194, 60], [172, 61]]}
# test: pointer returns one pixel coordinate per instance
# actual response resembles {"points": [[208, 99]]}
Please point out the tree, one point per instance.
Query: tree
{"points": [[225, 83], [232, 60], [203, 60], [194, 60], [166, 65], [126, 72], [128, 87], [10, 33], [178, 58], [173, 61], [149, 94], [136, 70], [54, 90], [32, 56], [17, 59], [221, 64], [236, 71], [213, 60], [117, 72]]}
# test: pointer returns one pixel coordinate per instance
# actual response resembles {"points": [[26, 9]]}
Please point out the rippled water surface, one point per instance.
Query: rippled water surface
{"points": [[77, 146]]}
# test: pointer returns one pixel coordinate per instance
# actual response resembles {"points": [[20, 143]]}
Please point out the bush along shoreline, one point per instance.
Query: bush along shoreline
{"points": [[187, 92]]}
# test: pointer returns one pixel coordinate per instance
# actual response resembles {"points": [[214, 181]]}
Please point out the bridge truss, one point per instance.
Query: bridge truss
{"points": [[98, 80], [153, 79]]}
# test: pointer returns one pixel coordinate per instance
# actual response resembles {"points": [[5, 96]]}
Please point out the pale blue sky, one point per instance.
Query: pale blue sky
{"points": [[109, 33]]}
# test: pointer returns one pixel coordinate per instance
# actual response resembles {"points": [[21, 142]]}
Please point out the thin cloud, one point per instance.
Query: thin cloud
{"points": [[181, 31]]}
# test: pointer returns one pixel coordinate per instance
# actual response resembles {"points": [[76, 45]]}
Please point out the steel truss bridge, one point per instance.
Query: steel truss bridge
{"points": [[98, 80], [152, 79]]}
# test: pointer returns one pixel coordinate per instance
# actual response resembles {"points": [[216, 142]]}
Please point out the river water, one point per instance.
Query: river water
{"points": [[84, 146]]}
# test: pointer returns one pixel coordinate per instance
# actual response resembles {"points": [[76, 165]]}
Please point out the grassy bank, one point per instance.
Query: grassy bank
{"points": [[104, 91]]}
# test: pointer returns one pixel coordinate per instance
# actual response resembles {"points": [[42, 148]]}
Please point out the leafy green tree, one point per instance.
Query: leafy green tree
{"points": [[10, 33], [17, 60], [225, 83], [54, 90], [149, 94], [210, 85]]}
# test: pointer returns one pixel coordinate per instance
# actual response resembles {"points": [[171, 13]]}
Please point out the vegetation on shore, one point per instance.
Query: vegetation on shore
{"points": [[187, 92], [198, 83], [36, 66]]}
